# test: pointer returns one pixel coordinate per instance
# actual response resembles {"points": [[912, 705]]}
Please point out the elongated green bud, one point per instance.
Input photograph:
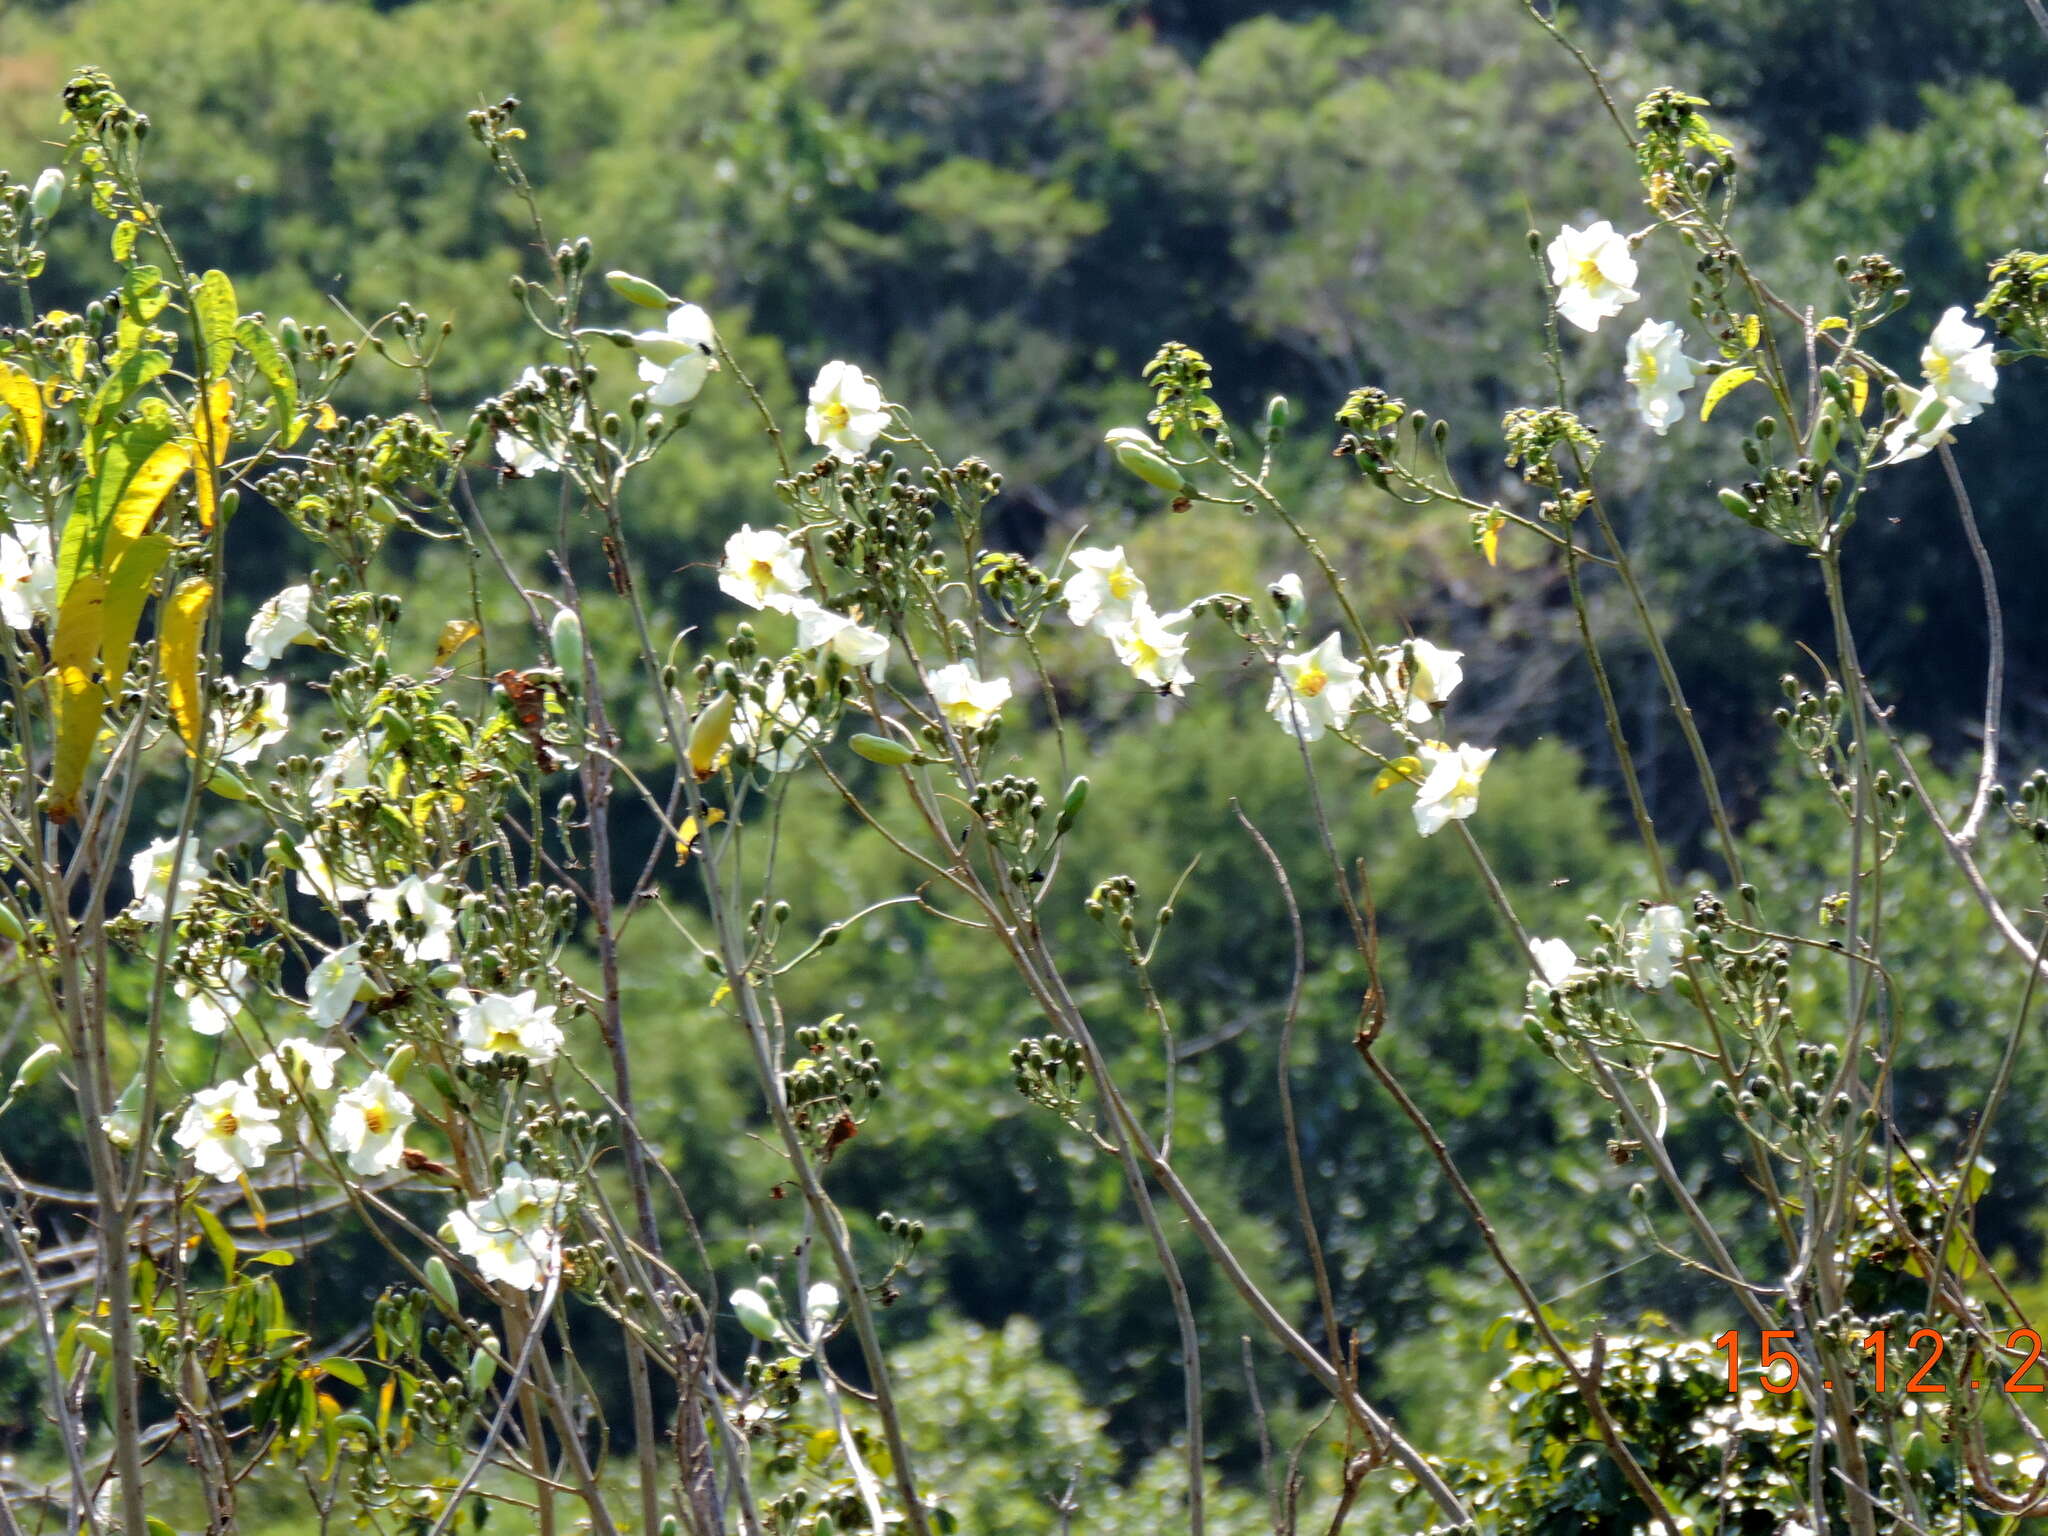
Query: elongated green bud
{"points": [[637, 290], [47, 196], [483, 1366], [565, 639], [400, 1063], [1734, 501], [1070, 808], [442, 1284], [228, 784], [754, 1315], [11, 929], [710, 734], [1136, 452], [880, 749], [1827, 432], [36, 1068], [1278, 414]]}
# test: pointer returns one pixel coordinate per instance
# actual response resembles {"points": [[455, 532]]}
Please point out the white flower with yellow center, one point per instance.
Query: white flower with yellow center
{"points": [[819, 628], [369, 1123], [332, 985], [165, 885], [212, 1002], [1450, 786], [228, 1131], [511, 1234], [1104, 591], [28, 576], [1154, 648], [1960, 366], [763, 568], [281, 623], [1592, 269], [505, 1024], [846, 411], [1316, 690], [1661, 372], [296, 1067], [418, 912], [965, 698], [1415, 679], [1556, 965], [676, 360], [1656, 946], [257, 720]]}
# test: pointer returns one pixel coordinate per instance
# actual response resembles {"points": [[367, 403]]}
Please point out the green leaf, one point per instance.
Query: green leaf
{"points": [[85, 531], [1724, 384], [217, 1235], [143, 297], [118, 389], [277, 1256], [277, 372], [123, 243], [213, 305], [341, 1368]]}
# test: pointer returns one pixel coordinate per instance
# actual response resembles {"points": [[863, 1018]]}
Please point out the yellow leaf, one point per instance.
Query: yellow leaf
{"points": [[1399, 770], [144, 493], [18, 393], [1859, 387], [324, 419], [80, 617], [1486, 528], [180, 632], [455, 634], [1833, 323], [686, 835], [1752, 331], [210, 446], [79, 704], [1724, 384], [129, 581]]}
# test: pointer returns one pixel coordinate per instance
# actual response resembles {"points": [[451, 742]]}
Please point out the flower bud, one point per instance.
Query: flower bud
{"points": [[48, 194], [442, 1284], [1070, 808], [400, 1063], [755, 1316], [880, 749], [710, 734], [11, 929], [35, 1068], [565, 639], [1136, 452], [637, 290]]}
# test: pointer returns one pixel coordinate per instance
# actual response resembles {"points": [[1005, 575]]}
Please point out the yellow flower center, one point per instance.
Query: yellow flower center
{"points": [[836, 414], [1311, 682], [1646, 365], [762, 574], [225, 1123], [1122, 584], [375, 1119], [507, 1041], [1938, 370], [1590, 275]]}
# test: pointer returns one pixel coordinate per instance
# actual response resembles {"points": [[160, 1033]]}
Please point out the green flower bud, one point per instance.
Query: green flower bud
{"points": [[1827, 432], [755, 1316], [483, 1366], [637, 290], [48, 194], [442, 1284], [36, 1068], [228, 784], [1136, 452], [1070, 808], [400, 1063], [565, 639], [11, 929], [1737, 503], [880, 749]]}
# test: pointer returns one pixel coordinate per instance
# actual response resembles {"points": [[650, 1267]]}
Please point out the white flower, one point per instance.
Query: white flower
{"points": [[1925, 423], [1316, 689], [1450, 789], [212, 1002], [510, 1233], [259, 721], [332, 985], [28, 576], [964, 698], [1415, 678], [228, 1131], [296, 1066], [1960, 366], [417, 902], [1154, 648], [763, 568], [1555, 962], [1104, 591], [819, 628], [1286, 592], [1657, 945], [282, 622], [369, 1124], [317, 878], [821, 1301], [1660, 371], [846, 413], [345, 768], [1592, 268], [505, 1024], [523, 458], [160, 892], [755, 723], [674, 363]]}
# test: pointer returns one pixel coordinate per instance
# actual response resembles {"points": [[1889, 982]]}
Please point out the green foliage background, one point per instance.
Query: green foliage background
{"points": [[1000, 209]]}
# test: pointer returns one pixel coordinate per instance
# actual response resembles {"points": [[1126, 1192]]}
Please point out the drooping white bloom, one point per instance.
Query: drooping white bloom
{"points": [[1415, 678], [965, 698], [1104, 591], [1450, 787], [1555, 962], [757, 724], [846, 412], [763, 568], [1154, 648], [505, 1024], [675, 362], [160, 890], [1593, 269], [418, 912], [318, 878], [1657, 945], [511, 1233], [332, 985], [297, 1066], [1316, 689], [228, 1130], [523, 458], [1960, 365], [819, 628], [260, 720], [369, 1123], [212, 1002], [282, 622], [28, 576], [1660, 371], [344, 768]]}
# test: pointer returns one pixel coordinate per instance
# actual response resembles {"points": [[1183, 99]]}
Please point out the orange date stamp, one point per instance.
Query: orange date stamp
{"points": [[1778, 1367]]}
